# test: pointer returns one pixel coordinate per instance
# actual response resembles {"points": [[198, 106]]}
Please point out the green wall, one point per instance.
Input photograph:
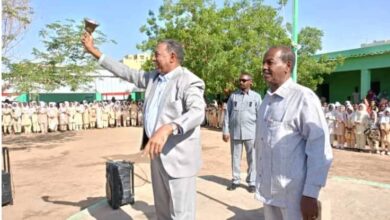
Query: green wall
{"points": [[365, 62], [98, 96], [136, 96], [342, 84], [365, 68], [70, 97], [22, 98]]}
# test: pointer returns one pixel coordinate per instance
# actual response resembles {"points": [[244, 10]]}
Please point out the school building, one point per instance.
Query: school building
{"points": [[364, 68]]}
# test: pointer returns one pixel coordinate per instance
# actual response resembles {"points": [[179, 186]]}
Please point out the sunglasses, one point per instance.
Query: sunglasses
{"points": [[244, 80]]}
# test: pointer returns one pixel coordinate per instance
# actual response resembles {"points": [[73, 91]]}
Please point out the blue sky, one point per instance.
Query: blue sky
{"points": [[345, 23]]}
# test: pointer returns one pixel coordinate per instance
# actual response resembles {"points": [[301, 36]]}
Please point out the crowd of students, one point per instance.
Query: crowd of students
{"points": [[358, 127], [38, 117], [214, 114], [361, 127]]}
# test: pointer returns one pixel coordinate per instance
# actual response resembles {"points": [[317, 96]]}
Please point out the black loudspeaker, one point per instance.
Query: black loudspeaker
{"points": [[119, 183], [6, 189]]}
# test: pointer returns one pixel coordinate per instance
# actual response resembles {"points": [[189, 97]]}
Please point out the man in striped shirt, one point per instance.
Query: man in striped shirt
{"points": [[293, 153]]}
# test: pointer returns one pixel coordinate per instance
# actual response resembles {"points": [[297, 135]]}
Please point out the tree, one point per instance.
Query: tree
{"points": [[63, 62], [221, 42], [16, 16], [311, 70]]}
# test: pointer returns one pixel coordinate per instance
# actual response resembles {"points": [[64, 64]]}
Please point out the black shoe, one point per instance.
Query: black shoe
{"points": [[251, 189], [232, 187]]}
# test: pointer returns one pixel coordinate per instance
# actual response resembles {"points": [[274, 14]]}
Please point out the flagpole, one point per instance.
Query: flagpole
{"points": [[295, 38]]}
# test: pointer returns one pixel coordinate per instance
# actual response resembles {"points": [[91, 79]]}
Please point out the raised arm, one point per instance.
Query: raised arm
{"points": [[138, 77]]}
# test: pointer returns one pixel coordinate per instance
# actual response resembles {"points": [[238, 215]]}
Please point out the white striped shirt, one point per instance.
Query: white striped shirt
{"points": [[292, 146]]}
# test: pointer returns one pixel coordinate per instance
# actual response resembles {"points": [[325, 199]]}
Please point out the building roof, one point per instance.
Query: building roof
{"points": [[359, 52]]}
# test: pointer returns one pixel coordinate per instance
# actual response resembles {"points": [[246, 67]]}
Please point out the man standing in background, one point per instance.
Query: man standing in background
{"points": [[240, 126]]}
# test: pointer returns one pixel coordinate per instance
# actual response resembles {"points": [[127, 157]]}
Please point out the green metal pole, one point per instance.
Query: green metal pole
{"points": [[295, 38]]}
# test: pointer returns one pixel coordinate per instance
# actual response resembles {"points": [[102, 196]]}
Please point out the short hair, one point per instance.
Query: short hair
{"points": [[246, 74], [286, 55], [176, 47]]}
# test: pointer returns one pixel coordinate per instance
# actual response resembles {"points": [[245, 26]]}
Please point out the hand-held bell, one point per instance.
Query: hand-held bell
{"points": [[90, 25]]}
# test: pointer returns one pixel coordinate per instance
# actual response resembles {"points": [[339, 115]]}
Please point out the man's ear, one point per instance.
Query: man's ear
{"points": [[289, 65], [173, 57]]}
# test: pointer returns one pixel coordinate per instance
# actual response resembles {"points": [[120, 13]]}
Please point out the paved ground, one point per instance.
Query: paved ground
{"points": [[62, 176]]}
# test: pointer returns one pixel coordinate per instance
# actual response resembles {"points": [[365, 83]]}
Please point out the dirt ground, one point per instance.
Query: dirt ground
{"points": [[57, 175]]}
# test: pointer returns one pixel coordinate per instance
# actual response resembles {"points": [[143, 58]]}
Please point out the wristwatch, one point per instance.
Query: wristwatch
{"points": [[175, 129]]}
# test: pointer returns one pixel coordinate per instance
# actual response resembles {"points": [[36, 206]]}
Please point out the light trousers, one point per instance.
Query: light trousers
{"points": [[174, 198], [278, 213], [236, 151]]}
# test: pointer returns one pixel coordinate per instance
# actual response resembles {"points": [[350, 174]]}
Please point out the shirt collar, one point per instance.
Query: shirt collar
{"points": [[244, 93], [283, 90], [168, 76]]}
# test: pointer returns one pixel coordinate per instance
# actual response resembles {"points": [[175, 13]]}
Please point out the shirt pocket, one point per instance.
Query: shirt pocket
{"points": [[236, 105], [251, 106], [275, 129], [282, 146]]}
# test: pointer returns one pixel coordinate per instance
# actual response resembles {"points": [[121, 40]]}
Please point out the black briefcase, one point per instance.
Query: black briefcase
{"points": [[6, 190], [119, 183]]}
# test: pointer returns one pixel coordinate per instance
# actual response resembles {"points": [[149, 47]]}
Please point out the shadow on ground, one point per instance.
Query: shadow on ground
{"points": [[239, 213], [82, 204], [220, 180], [42, 141], [148, 210], [101, 210]]}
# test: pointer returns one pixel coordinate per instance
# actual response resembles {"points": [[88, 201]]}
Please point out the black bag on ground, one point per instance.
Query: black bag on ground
{"points": [[120, 183], [6, 190]]}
